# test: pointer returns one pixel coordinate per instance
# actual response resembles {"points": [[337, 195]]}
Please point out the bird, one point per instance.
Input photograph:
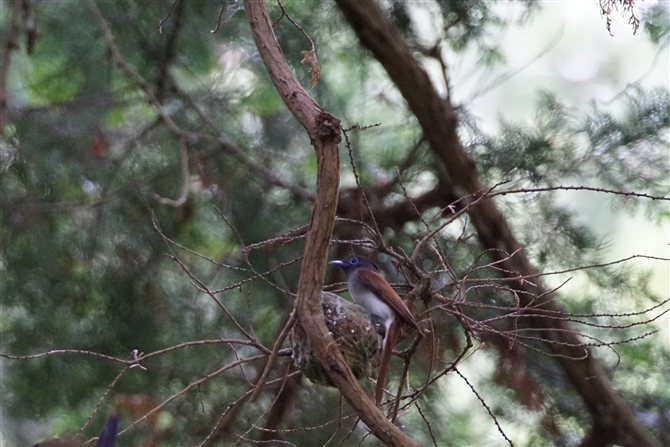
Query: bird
{"points": [[107, 437], [108, 434], [387, 310]]}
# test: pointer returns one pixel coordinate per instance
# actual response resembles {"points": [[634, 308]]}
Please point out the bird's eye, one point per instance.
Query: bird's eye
{"points": [[353, 261]]}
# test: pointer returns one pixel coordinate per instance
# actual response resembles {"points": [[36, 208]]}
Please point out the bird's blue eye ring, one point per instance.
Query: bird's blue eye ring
{"points": [[353, 261]]}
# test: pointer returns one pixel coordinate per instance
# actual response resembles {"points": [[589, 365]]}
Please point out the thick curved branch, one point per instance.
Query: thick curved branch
{"points": [[613, 420], [324, 131], [11, 43]]}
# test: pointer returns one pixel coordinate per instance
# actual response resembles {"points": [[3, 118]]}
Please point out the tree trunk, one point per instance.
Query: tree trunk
{"points": [[613, 420]]}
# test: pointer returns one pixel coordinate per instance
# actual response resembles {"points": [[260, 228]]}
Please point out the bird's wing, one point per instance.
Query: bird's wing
{"points": [[378, 285]]}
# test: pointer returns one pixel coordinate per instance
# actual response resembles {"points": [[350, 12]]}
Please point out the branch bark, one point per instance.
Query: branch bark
{"points": [[324, 131], [612, 419], [11, 43]]}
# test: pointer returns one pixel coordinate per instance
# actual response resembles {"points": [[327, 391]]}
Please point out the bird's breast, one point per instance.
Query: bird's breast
{"points": [[373, 304]]}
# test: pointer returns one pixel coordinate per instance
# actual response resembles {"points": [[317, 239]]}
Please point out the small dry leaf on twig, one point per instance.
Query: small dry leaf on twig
{"points": [[314, 70]]}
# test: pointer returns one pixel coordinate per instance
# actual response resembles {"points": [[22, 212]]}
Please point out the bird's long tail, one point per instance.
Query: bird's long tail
{"points": [[390, 341]]}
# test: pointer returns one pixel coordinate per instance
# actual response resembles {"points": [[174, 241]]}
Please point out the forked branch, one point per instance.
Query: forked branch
{"points": [[324, 131]]}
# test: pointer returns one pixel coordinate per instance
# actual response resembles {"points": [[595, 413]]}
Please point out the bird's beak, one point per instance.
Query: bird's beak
{"points": [[337, 263]]}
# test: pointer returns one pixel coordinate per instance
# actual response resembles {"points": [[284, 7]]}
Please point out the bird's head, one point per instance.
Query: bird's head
{"points": [[355, 263]]}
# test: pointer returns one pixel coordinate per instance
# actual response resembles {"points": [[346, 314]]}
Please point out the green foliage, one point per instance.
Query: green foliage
{"points": [[84, 265], [631, 151], [656, 21], [622, 153], [467, 21], [539, 155], [53, 82]]}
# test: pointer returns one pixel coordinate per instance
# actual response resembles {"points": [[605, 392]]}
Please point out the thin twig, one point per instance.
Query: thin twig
{"points": [[101, 400], [189, 387], [275, 349], [488, 409], [186, 178], [580, 188]]}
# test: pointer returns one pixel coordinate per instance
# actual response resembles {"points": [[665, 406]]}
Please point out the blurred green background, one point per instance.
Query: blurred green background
{"points": [[546, 96]]}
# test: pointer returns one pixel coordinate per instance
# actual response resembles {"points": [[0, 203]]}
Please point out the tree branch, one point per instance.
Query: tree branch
{"points": [[613, 420], [324, 131], [11, 43]]}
